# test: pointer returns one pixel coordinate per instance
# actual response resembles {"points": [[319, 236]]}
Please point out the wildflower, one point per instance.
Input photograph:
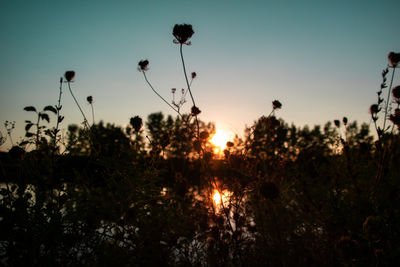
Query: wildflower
{"points": [[374, 109], [337, 123], [195, 111], [394, 59], [173, 90], [136, 123], [89, 99], [182, 33], [194, 75], [396, 93], [345, 121], [143, 65], [69, 75], [204, 135], [276, 104]]}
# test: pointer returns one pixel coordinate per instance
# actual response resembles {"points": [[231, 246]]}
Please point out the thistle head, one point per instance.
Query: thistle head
{"points": [[337, 123], [396, 93], [143, 65], [69, 75], [89, 99], [195, 111], [374, 109], [394, 59], [182, 33], [136, 123], [276, 104]]}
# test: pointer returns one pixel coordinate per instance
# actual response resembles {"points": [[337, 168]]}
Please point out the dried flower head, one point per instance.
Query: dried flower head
{"points": [[173, 90], [194, 75], [195, 111], [182, 33], [337, 123], [344, 121], [143, 65], [396, 93], [394, 59], [69, 75], [374, 109], [136, 123], [89, 99], [276, 104]]}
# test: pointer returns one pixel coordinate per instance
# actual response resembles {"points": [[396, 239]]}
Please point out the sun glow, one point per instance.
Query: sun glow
{"points": [[219, 140], [217, 197]]}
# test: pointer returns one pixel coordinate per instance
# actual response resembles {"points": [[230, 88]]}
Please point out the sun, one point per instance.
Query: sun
{"points": [[219, 140]]}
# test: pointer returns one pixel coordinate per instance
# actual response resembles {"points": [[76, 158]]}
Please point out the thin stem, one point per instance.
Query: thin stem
{"points": [[190, 91], [387, 100], [37, 131], [12, 143], [145, 77], [92, 113], [184, 70], [83, 114]]}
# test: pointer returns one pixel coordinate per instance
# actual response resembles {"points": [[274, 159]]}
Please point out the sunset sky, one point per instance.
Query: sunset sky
{"points": [[321, 59]]}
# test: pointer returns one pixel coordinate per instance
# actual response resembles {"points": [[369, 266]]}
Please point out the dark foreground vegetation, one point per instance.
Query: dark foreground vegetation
{"points": [[145, 195]]}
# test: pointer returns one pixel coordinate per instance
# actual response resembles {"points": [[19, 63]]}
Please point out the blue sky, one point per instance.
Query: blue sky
{"points": [[321, 59]]}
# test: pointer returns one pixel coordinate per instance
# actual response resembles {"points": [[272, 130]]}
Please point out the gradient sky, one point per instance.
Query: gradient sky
{"points": [[321, 59]]}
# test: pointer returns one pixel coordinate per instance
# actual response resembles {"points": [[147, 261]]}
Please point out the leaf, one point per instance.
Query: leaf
{"points": [[30, 108], [28, 126], [50, 108], [28, 121], [44, 116], [59, 107], [60, 119], [28, 134]]}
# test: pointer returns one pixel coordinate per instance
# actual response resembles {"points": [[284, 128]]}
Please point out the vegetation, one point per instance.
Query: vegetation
{"points": [[157, 194]]}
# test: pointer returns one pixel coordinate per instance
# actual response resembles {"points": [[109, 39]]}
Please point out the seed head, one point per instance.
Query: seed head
{"points": [[194, 75], [374, 109], [229, 144], [143, 65], [337, 123], [69, 75], [89, 99], [182, 33], [173, 90], [136, 123], [195, 111], [396, 93], [394, 59], [345, 121], [276, 104]]}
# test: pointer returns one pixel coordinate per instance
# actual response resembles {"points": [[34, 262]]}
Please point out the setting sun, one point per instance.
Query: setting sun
{"points": [[219, 140]]}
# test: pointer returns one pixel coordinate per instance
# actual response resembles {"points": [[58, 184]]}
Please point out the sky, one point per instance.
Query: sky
{"points": [[321, 59]]}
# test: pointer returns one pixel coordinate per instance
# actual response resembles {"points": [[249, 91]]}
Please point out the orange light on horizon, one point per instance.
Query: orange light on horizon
{"points": [[219, 140]]}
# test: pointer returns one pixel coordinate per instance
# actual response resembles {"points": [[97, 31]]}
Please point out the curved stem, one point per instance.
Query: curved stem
{"points": [[387, 100], [190, 91], [145, 77], [83, 114], [184, 70]]}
